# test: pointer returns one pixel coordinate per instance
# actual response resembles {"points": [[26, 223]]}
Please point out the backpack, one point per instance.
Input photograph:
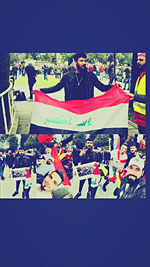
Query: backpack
{"points": [[20, 96]]}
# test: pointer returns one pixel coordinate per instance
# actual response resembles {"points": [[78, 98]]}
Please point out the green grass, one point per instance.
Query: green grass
{"points": [[40, 82]]}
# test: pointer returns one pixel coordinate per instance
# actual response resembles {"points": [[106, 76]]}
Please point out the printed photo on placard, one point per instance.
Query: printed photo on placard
{"points": [[18, 173], [85, 171]]}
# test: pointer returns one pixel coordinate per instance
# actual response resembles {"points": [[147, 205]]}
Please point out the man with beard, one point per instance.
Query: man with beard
{"points": [[139, 97], [87, 155], [78, 84], [134, 184], [21, 161], [133, 153]]}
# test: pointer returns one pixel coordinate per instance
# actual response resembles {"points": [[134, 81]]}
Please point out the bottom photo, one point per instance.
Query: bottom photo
{"points": [[72, 166]]}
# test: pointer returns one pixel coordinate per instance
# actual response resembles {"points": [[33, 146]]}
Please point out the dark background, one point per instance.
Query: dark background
{"points": [[75, 233]]}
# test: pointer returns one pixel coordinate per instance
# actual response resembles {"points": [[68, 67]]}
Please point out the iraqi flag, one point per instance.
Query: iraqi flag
{"points": [[17, 149], [58, 165], [116, 141], [103, 113], [45, 138]]}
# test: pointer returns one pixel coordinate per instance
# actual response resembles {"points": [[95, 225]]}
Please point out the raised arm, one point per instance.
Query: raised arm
{"points": [[55, 88], [102, 87]]}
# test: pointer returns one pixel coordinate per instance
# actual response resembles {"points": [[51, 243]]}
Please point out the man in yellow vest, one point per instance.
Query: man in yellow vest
{"points": [[139, 99]]}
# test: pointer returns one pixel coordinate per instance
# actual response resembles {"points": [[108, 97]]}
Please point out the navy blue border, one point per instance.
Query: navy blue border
{"points": [[75, 233]]}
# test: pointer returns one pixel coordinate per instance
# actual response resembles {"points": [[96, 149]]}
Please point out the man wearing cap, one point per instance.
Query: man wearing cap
{"points": [[139, 97], [134, 184]]}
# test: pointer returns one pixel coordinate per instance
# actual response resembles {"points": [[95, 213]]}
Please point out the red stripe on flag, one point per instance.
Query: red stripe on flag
{"points": [[58, 165], [114, 96], [118, 143], [45, 138]]}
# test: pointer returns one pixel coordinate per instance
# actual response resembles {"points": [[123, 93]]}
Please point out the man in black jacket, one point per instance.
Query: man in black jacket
{"points": [[21, 161], [31, 73], [133, 153], [87, 155], [9, 159], [78, 84], [134, 184]]}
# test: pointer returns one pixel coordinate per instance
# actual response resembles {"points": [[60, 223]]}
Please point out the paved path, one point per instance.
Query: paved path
{"points": [[8, 186], [24, 109], [99, 193]]}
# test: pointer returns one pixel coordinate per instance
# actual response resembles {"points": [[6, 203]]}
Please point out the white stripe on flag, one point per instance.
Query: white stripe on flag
{"points": [[53, 117]]}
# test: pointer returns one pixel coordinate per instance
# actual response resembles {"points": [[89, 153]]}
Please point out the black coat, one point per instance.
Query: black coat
{"points": [[22, 162], [10, 160], [68, 81], [89, 156], [31, 72], [136, 190]]}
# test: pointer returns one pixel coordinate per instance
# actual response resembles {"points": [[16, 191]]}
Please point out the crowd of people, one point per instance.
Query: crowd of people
{"points": [[102, 70], [61, 169]]}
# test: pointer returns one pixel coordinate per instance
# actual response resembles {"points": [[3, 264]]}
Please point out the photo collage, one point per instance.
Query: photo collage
{"points": [[73, 126]]}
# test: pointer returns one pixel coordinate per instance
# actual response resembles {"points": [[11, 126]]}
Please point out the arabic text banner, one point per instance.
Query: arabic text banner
{"points": [[103, 112]]}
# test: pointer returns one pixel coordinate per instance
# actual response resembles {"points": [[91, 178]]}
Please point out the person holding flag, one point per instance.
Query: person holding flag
{"points": [[139, 96], [53, 116], [87, 155], [118, 158], [139, 100], [78, 84], [21, 161], [51, 153]]}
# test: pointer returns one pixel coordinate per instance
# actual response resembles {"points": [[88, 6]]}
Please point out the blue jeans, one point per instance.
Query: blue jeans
{"points": [[1, 171], [114, 170], [127, 81]]}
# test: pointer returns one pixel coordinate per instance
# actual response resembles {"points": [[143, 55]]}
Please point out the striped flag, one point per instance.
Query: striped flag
{"points": [[57, 162], [17, 149], [109, 111], [116, 141], [58, 165]]}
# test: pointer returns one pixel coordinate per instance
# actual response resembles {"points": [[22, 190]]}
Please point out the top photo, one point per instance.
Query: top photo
{"points": [[60, 93]]}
